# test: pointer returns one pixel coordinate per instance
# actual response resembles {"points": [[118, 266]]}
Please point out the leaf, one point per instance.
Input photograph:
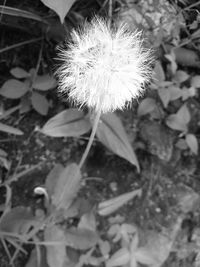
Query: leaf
{"points": [[146, 106], [9, 129], [52, 178], [70, 122], [44, 83], [156, 250], [33, 259], [18, 221], [67, 186], [181, 76], [188, 92], [175, 92], [184, 114], [180, 120], [14, 89], [119, 258], [61, 7], [109, 206], [19, 73], [3, 153], [192, 143], [159, 74], [111, 133], [56, 254], [186, 57], [19, 13], [40, 103], [187, 198], [195, 81], [80, 238], [164, 95]]}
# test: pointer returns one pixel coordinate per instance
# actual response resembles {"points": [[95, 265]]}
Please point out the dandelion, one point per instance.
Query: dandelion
{"points": [[104, 68]]}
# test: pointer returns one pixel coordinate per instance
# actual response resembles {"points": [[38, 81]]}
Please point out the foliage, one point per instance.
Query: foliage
{"points": [[67, 230]]}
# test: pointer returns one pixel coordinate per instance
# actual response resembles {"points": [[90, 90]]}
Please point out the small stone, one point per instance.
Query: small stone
{"points": [[113, 186]]}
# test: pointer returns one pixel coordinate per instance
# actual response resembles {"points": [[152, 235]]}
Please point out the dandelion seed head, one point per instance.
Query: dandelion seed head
{"points": [[104, 68]]}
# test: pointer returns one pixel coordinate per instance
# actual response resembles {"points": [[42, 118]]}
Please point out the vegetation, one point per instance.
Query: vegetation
{"points": [[132, 199]]}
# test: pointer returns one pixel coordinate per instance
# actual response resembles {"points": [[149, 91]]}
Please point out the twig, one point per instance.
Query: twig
{"points": [[192, 5], [20, 44]]}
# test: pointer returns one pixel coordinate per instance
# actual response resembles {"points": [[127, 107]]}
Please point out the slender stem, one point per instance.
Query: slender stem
{"points": [[89, 144], [19, 44]]}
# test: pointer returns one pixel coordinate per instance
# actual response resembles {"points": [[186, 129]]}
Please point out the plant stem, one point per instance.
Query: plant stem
{"points": [[89, 144]]}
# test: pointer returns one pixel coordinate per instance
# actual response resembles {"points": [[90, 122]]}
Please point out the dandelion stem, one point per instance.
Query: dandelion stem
{"points": [[91, 139]]}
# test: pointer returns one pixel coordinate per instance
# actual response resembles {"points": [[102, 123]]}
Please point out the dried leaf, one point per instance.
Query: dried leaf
{"points": [[70, 122], [111, 133]]}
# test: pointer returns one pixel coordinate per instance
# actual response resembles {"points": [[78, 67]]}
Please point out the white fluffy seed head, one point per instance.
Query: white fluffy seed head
{"points": [[104, 68]]}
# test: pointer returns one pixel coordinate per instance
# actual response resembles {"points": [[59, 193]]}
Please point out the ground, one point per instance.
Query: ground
{"points": [[169, 176]]}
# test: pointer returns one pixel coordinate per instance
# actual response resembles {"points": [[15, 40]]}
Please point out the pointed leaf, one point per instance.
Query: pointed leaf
{"points": [[119, 258], [175, 92], [111, 133], [40, 103], [44, 83], [19, 73], [81, 238], [181, 76], [109, 206], [146, 106], [164, 95], [175, 123], [9, 129], [61, 7], [192, 143], [67, 186], [14, 89], [180, 120], [159, 74], [184, 114], [70, 122]]}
